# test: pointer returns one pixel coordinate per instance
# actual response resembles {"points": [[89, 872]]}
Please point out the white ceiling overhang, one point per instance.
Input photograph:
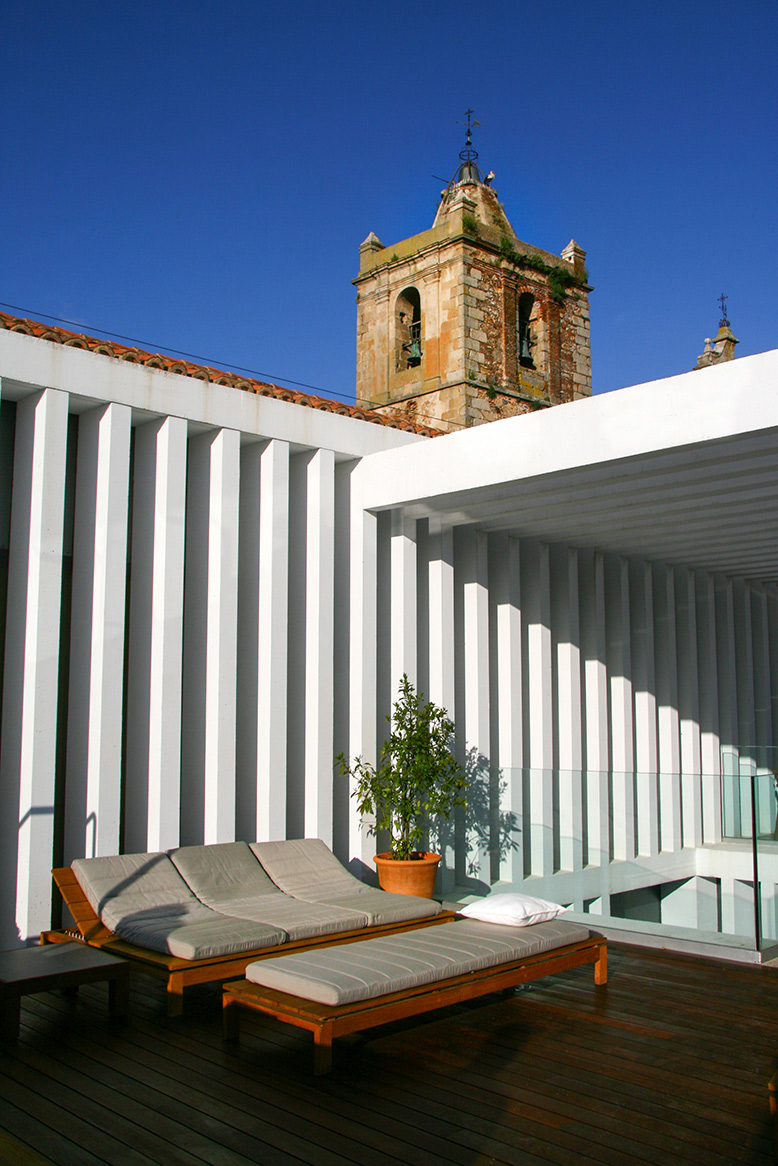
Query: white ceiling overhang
{"points": [[683, 470]]}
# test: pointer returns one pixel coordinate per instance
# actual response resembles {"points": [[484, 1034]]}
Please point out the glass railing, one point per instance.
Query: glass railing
{"points": [[655, 853], [752, 781]]}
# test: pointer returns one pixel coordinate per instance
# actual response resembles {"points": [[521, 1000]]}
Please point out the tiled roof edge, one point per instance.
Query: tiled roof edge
{"points": [[203, 373]]}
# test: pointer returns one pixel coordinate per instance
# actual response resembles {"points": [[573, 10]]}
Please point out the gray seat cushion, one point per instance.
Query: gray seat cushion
{"points": [[395, 963], [307, 869], [227, 877], [195, 935], [144, 900]]}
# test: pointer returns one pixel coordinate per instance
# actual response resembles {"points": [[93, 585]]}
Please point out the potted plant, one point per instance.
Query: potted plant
{"points": [[417, 777]]}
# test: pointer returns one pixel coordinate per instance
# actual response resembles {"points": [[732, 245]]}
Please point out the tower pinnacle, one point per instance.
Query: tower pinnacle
{"points": [[468, 170]]}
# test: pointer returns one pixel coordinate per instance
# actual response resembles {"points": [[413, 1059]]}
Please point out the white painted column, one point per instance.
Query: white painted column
{"points": [[667, 708], [771, 596], [762, 671], [744, 674], [210, 644], [341, 808], [566, 635], [505, 588], [710, 744], [441, 660], [763, 723], [362, 663], [219, 818], [96, 676], [475, 611], [536, 602], [30, 689], [248, 641], [733, 805], [403, 602], [319, 644], [591, 580], [689, 708], [153, 766], [744, 660], [620, 685], [273, 606], [644, 695], [441, 616], [296, 640]]}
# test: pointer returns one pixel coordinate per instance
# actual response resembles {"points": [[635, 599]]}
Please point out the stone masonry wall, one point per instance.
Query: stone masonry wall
{"points": [[560, 332], [470, 370]]}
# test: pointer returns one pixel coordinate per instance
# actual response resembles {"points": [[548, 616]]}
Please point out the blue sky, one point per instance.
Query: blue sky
{"points": [[198, 175]]}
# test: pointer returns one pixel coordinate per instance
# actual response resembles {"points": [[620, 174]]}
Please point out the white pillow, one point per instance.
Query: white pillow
{"points": [[513, 910]]}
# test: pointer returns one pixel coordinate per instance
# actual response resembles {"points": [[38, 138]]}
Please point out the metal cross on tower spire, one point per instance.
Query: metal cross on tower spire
{"points": [[723, 322], [469, 154]]}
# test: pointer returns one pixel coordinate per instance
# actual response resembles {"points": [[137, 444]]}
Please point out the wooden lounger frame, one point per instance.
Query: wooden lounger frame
{"points": [[180, 973], [327, 1022]]}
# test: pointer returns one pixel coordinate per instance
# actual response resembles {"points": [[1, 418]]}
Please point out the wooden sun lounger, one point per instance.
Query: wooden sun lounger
{"points": [[180, 973], [327, 1022]]}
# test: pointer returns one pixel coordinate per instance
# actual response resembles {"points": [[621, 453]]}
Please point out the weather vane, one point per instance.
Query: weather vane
{"points": [[723, 322], [469, 154]]}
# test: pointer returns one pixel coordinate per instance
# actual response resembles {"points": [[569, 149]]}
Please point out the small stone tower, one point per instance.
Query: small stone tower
{"points": [[723, 347], [464, 323]]}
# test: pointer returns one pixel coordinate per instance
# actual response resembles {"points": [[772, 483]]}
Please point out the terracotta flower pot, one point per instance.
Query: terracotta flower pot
{"points": [[408, 876]]}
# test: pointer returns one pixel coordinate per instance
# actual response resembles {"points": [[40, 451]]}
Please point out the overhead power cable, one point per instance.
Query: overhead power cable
{"points": [[210, 362]]}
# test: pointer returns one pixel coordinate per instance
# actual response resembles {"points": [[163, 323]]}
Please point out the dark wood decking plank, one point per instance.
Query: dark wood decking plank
{"points": [[37, 1096], [15, 1145], [201, 1091], [468, 1006], [400, 1092], [603, 1089], [710, 1062], [484, 1121], [694, 1118], [423, 1139], [608, 1130], [559, 1073], [185, 1118], [120, 1117]]}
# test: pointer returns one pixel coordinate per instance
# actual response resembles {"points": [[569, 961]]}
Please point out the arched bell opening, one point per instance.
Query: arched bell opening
{"points": [[407, 316], [524, 329]]}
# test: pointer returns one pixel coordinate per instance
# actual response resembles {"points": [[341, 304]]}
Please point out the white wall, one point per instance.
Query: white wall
{"points": [[168, 608], [207, 594]]}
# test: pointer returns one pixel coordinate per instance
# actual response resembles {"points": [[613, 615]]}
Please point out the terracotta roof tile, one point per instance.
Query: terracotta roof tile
{"points": [[201, 372]]}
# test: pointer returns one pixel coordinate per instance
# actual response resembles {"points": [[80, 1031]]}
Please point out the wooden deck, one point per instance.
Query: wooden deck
{"points": [[667, 1064]]}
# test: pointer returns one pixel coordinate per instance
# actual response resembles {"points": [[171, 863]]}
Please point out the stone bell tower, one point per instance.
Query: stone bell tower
{"points": [[464, 323]]}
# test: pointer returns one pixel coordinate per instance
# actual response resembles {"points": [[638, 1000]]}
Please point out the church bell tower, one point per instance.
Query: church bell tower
{"points": [[464, 323]]}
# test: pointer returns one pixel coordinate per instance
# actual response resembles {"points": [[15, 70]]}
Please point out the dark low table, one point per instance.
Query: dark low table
{"points": [[57, 965]]}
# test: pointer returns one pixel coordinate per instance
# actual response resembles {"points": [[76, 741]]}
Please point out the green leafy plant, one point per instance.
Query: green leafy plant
{"points": [[560, 279], [469, 224], [417, 776]]}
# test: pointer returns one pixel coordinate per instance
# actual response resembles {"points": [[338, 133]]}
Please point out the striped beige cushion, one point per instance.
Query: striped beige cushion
{"points": [[131, 884], [395, 963], [308, 870], [144, 900], [198, 934], [227, 877]]}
